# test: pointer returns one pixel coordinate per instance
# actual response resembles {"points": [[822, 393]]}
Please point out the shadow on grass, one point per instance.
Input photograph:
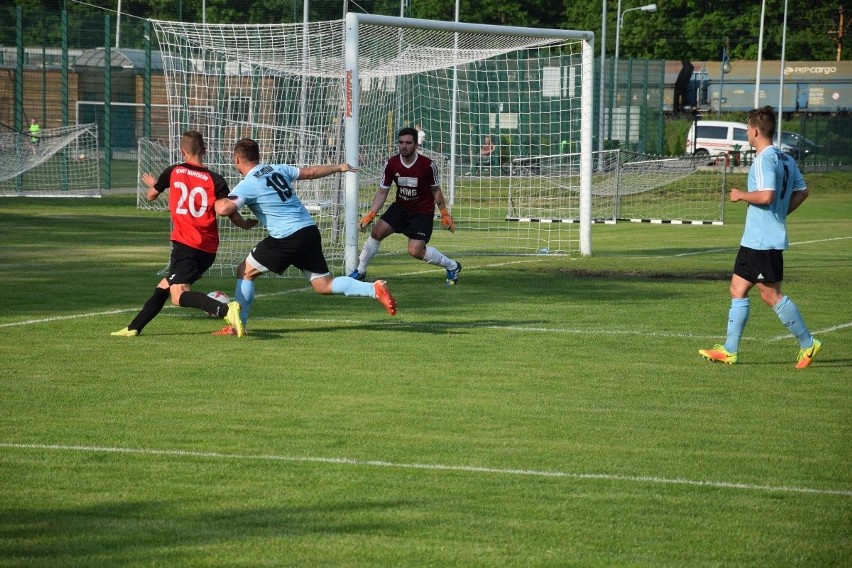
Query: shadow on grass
{"points": [[142, 532]]}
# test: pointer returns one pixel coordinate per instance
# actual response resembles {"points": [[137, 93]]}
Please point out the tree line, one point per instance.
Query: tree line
{"points": [[679, 29]]}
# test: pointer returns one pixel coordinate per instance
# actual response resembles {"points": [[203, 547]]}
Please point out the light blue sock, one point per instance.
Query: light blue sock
{"points": [[737, 318], [788, 312], [352, 287], [244, 294]]}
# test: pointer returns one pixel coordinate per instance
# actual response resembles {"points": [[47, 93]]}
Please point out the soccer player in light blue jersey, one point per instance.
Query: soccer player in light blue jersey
{"points": [[294, 238], [775, 189]]}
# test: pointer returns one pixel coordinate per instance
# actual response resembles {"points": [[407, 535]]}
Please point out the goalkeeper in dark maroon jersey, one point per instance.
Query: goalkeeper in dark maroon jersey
{"points": [[418, 191]]}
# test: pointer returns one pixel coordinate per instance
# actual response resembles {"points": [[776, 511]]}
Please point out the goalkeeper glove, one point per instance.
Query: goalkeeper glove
{"points": [[368, 218], [447, 220]]}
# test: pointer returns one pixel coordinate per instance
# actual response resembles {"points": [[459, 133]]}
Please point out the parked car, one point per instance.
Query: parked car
{"points": [[800, 147], [716, 137], [719, 137]]}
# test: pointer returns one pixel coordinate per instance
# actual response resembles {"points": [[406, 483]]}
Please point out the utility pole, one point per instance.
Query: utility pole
{"points": [[841, 28]]}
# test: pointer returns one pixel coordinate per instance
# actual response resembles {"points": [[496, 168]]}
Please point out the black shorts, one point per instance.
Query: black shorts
{"points": [[302, 249], [412, 224], [760, 266], [187, 265]]}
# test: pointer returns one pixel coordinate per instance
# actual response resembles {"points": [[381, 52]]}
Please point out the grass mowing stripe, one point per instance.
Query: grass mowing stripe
{"points": [[433, 325], [438, 467]]}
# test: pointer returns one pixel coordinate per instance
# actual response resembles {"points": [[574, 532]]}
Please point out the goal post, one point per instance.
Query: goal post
{"points": [[390, 45], [327, 92]]}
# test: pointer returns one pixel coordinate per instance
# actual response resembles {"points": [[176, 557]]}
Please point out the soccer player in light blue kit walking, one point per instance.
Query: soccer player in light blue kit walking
{"points": [[775, 189], [294, 239]]}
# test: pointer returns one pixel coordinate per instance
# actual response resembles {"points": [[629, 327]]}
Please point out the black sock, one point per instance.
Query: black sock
{"points": [[203, 302], [150, 310]]}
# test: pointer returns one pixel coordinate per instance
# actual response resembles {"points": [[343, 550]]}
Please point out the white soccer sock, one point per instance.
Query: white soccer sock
{"points": [[436, 257], [371, 247]]}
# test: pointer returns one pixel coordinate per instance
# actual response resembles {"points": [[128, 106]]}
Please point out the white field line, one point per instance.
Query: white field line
{"points": [[122, 311], [713, 251], [815, 332], [436, 467], [434, 325]]}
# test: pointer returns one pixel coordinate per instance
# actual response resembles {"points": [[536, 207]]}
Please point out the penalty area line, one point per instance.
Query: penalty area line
{"points": [[763, 488]]}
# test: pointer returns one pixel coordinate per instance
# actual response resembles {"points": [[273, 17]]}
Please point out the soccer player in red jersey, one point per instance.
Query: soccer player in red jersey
{"points": [[418, 191], [193, 191]]}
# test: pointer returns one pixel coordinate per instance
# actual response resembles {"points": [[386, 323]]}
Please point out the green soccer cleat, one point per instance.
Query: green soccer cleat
{"points": [[125, 332], [234, 320], [807, 355], [720, 354]]}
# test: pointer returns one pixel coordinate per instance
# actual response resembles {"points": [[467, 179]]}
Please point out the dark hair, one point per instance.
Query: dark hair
{"points": [[764, 120], [408, 131], [192, 142], [248, 150]]}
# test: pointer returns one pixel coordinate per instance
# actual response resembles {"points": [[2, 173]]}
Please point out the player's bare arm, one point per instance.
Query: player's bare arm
{"points": [[149, 181], [378, 202], [225, 207], [447, 221], [316, 172], [796, 199], [760, 197], [241, 222]]}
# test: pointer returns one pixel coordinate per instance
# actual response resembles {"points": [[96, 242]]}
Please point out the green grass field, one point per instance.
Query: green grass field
{"points": [[547, 411]]}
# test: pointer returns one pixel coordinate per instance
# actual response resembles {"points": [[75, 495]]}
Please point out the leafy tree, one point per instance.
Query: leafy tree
{"points": [[690, 29]]}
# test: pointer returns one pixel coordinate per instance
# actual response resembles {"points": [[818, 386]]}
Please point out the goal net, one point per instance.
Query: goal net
{"points": [[626, 186], [58, 162], [326, 92]]}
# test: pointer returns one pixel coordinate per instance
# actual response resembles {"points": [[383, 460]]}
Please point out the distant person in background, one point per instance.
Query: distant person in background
{"points": [[486, 153], [331, 149], [421, 136], [775, 189], [193, 191], [35, 137]]}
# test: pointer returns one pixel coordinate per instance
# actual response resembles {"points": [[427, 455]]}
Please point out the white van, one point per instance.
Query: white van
{"points": [[719, 137], [715, 137]]}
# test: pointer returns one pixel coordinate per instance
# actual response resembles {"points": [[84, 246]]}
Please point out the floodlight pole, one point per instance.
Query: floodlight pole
{"points": [[650, 8], [726, 68], [601, 90], [759, 57], [781, 78]]}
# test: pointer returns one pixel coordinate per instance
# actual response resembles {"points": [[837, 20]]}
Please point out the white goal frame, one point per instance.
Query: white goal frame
{"points": [[327, 92], [352, 111]]}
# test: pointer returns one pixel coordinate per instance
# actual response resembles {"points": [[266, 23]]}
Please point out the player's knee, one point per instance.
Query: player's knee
{"points": [[322, 284], [417, 249], [770, 298]]}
